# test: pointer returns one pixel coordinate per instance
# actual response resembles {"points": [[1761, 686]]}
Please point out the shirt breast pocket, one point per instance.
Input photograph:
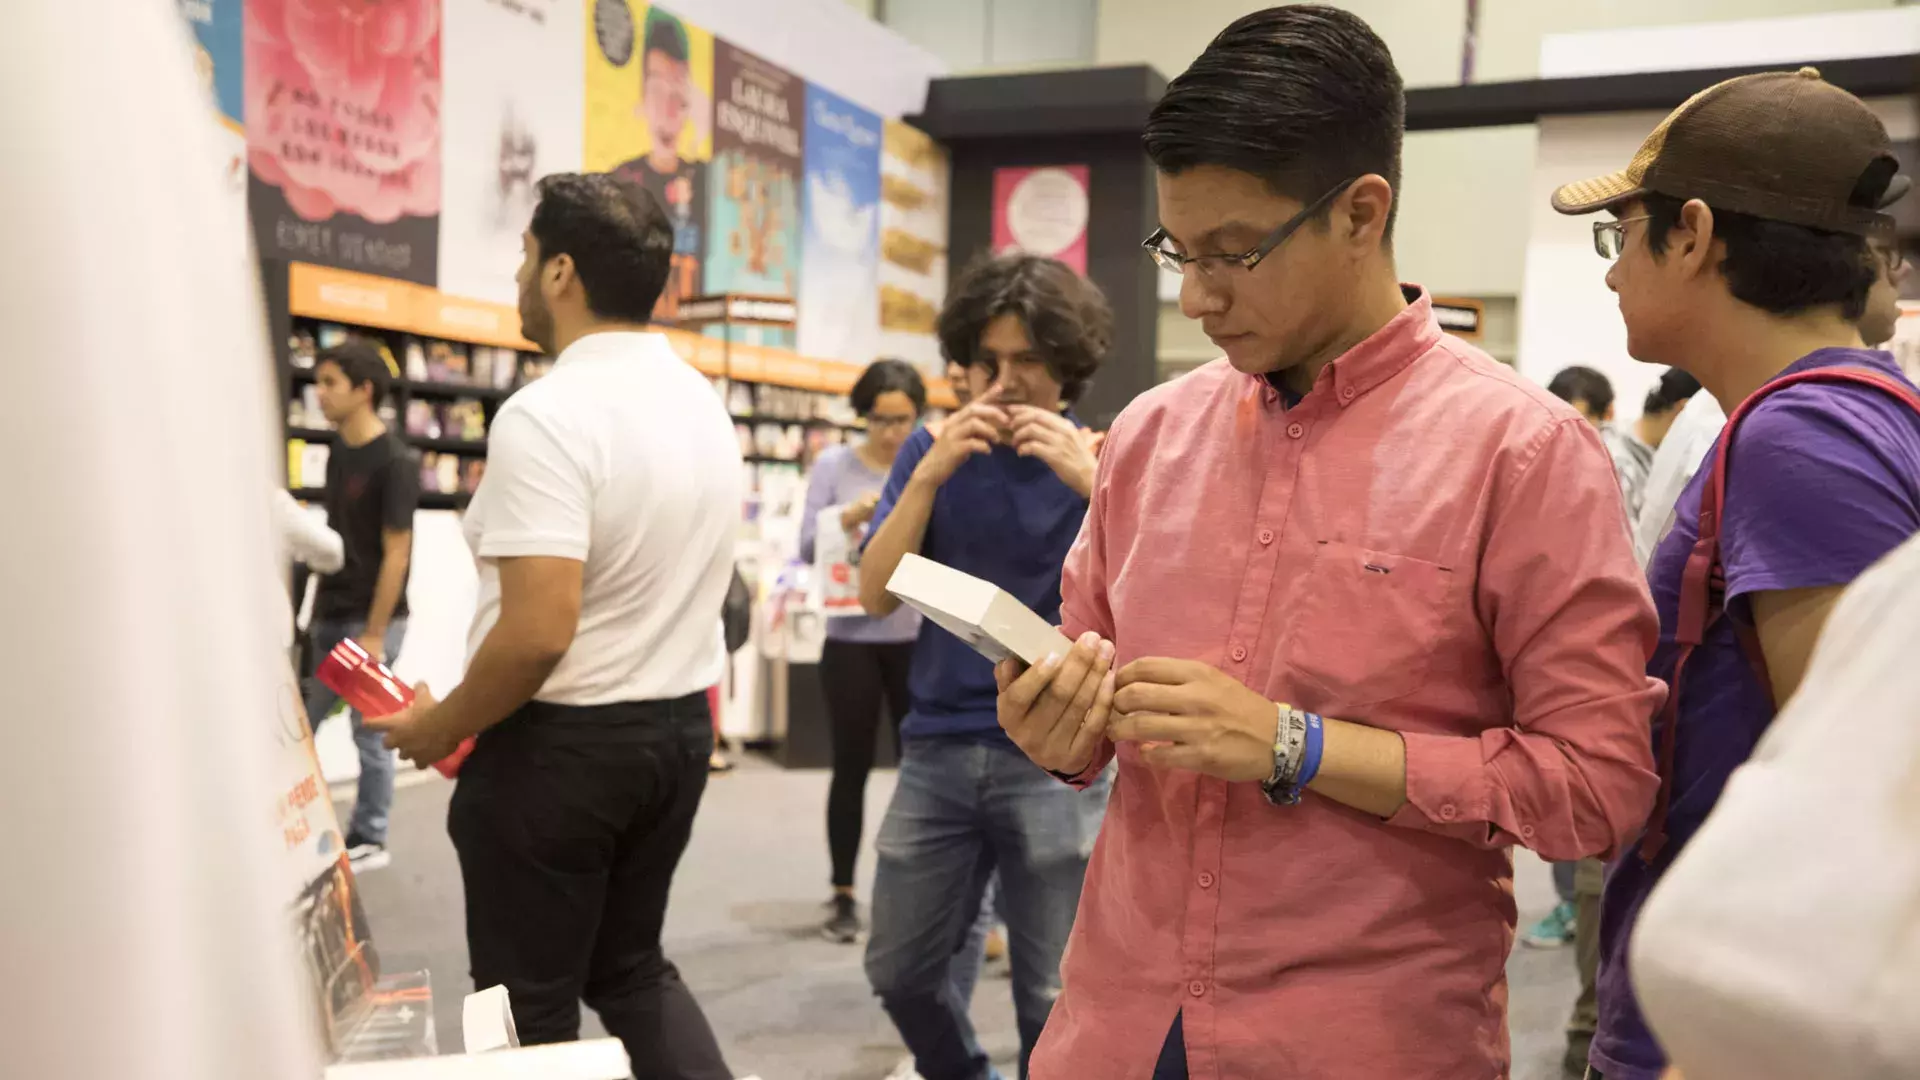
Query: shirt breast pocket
{"points": [[1364, 625]]}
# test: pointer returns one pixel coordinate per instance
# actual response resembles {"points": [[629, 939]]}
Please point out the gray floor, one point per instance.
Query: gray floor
{"points": [[743, 929]]}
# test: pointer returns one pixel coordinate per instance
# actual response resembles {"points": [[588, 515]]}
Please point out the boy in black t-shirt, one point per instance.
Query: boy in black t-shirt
{"points": [[373, 486]]}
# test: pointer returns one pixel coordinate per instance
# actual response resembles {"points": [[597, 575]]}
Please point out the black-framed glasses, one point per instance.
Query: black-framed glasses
{"points": [[1610, 237], [1218, 265]]}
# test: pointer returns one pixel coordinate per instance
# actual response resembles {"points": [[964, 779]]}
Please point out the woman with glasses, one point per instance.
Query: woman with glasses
{"points": [[865, 660]]}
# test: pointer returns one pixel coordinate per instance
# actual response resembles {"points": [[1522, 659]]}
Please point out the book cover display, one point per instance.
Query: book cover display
{"points": [[511, 115], [649, 118], [753, 206], [342, 107], [840, 245]]}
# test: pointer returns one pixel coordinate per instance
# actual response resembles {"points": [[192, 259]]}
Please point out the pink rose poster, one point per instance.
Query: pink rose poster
{"points": [[1042, 211], [343, 133]]}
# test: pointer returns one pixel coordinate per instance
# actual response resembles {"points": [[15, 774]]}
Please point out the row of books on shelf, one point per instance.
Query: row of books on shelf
{"points": [[447, 420], [451, 474], [440, 473], [425, 359], [786, 442], [762, 401]]}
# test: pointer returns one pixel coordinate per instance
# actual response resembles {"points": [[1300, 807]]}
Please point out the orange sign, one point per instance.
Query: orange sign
{"points": [[321, 292]]}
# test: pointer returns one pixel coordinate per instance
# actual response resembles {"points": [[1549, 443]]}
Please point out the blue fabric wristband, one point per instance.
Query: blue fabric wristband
{"points": [[1310, 760]]}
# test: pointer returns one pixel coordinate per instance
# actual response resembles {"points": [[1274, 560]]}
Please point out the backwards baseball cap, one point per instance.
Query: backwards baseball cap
{"points": [[1781, 145]]}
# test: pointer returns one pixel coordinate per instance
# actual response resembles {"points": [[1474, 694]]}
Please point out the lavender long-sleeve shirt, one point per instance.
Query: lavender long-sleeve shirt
{"points": [[840, 477]]}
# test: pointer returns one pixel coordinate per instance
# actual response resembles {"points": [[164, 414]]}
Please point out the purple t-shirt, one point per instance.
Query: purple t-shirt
{"points": [[1824, 479]]}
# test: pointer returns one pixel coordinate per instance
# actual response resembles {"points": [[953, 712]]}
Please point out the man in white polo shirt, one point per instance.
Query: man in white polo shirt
{"points": [[604, 538]]}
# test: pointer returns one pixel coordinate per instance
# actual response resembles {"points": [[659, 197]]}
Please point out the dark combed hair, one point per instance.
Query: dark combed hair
{"points": [[1583, 384], [617, 234], [1302, 96], [360, 361], [1777, 267], [1065, 315], [888, 376], [1672, 391]]}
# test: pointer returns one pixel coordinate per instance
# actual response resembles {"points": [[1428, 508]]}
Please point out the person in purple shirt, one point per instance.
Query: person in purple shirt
{"points": [[1824, 478], [865, 660]]}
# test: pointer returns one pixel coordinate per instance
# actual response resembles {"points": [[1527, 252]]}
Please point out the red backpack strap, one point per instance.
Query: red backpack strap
{"points": [[1703, 582]]}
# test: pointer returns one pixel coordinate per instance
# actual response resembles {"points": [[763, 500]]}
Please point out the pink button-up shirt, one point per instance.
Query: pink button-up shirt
{"points": [[1425, 543]]}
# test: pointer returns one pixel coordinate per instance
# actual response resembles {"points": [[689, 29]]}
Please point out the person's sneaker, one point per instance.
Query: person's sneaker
{"points": [[844, 924], [904, 1070], [365, 855], [1554, 931]]}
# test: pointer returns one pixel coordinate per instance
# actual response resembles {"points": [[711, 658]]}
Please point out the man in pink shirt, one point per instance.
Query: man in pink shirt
{"points": [[1357, 613]]}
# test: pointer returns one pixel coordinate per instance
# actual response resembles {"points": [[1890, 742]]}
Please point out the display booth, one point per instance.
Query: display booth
{"points": [[776, 148], [1600, 95]]}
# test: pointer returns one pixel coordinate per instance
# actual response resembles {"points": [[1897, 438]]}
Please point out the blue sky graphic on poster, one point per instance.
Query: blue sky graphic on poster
{"points": [[840, 245], [217, 32]]}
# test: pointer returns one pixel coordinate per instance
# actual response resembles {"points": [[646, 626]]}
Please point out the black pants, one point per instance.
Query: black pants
{"points": [[856, 675], [569, 822]]}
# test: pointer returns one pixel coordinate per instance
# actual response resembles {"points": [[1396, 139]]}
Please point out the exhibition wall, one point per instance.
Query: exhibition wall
{"points": [[1457, 231], [407, 147], [1567, 314]]}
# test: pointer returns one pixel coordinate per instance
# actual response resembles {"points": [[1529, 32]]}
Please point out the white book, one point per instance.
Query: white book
{"points": [[980, 613]]}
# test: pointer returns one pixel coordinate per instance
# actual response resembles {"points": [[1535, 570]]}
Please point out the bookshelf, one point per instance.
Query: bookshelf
{"points": [[440, 406]]}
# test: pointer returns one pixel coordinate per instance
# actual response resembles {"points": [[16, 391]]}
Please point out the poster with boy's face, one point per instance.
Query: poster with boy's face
{"points": [[753, 215], [343, 133], [649, 119]]}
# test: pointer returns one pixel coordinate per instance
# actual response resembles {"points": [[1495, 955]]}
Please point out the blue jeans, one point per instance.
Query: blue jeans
{"points": [[373, 803], [962, 810]]}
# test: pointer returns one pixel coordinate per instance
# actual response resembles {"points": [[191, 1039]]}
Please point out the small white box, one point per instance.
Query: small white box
{"points": [[977, 612]]}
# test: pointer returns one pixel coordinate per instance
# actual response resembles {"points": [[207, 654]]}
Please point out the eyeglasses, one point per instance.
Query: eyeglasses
{"points": [[1220, 265], [1610, 237], [875, 423]]}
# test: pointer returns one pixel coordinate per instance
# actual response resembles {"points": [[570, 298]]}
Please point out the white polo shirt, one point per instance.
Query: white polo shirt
{"points": [[624, 458]]}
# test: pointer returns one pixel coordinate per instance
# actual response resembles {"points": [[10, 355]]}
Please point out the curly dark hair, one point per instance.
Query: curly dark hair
{"points": [[888, 376], [1065, 314], [618, 235]]}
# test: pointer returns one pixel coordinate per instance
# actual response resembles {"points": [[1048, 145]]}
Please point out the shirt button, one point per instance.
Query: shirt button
{"points": [[1206, 879], [1294, 431], [1526, 832], [1239, 652], [1197, 988], [1346, 393], [1266, 536], [1448, 813]]}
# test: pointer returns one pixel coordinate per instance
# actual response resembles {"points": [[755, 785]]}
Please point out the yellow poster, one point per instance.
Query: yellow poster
{"points": [[649, 84]]}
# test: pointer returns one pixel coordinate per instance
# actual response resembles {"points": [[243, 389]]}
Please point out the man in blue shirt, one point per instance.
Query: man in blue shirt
{"points": [[1000, 493]]}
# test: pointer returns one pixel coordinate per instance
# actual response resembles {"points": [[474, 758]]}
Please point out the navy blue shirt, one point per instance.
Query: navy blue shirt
{"points": [[1003, 518]]}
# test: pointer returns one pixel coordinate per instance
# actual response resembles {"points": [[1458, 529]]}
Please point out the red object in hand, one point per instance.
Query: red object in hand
{"points": [[370, 687]]}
